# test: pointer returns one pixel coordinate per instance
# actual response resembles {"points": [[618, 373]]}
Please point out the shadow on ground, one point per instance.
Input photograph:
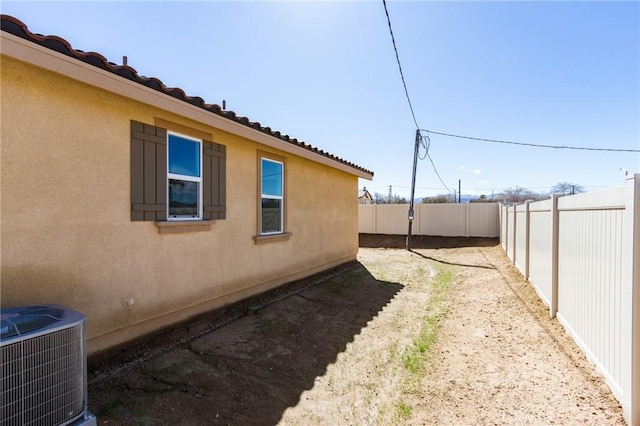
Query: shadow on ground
{"points": [[244, 365], [424, 241]]}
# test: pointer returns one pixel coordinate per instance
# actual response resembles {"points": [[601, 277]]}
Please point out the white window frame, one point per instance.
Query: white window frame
{"points": [[273, 197], [185, 178]]}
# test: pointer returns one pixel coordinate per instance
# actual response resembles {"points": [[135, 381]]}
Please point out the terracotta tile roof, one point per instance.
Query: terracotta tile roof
{"points": [[16, 27]]}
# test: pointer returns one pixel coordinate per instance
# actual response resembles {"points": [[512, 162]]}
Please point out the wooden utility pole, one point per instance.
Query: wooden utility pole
{"points": [[413, 187]]}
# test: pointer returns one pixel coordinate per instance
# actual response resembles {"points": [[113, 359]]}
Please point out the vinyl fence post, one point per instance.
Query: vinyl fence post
{"points": [[631, 276], [527, 239], [555, 240], [505, 217], [515, 233], [635, 402], [467, 219]]}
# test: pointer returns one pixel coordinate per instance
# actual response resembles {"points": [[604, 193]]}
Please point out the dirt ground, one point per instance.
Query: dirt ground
{"points": [[336, 349]]}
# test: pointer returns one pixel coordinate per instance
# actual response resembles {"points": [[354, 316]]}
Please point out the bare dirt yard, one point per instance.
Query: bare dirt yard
{"points": [[448, 333]]}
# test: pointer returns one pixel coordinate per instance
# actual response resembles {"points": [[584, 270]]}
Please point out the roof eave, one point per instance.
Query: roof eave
{"points": [[32, 53]]}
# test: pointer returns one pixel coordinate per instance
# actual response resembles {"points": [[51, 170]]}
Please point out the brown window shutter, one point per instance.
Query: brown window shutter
{"points": [[214, 171], [148, 172]]}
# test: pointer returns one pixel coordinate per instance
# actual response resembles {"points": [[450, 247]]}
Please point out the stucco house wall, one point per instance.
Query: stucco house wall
{"points": [[66, 231]]}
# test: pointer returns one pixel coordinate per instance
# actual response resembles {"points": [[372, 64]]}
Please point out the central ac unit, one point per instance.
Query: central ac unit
{"points": [[43, 356]]}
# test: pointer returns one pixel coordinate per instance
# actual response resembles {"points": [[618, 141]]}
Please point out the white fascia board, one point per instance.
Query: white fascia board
{"points": [[34, 54]]}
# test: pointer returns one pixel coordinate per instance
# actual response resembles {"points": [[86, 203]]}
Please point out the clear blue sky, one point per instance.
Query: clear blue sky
{"points": [[554, 73]]}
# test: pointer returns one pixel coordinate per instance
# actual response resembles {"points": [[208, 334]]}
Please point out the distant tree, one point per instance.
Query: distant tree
{"points": [[481, 199], [396, 199], [385, 199], [520, 195], [566, 188], [379, 198], [437, 199]]}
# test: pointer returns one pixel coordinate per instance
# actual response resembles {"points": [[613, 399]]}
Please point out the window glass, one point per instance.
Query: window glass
{"points": [[271, 216], [183, 198], [271, 178], [184, 178], [184, 156], [271, 211]]}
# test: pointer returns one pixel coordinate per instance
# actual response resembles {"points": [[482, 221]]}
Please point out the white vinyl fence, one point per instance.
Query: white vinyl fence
{"points": [[447, 220], [581, 253]]}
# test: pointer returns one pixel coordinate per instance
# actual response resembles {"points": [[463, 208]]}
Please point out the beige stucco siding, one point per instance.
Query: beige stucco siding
{"points": [[66, 233]]}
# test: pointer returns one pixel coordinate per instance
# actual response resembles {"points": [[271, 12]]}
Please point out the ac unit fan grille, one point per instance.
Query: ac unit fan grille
{"points": [[27, 319], [43, 379]]}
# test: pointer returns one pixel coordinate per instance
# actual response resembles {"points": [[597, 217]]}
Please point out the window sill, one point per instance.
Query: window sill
{"points": [[179, 227], [266, 239]]}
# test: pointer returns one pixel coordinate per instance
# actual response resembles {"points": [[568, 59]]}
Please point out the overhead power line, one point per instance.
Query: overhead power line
{"points": [[393, 40], [419, 140], [438, 174], [427, 145], [580, 148]]}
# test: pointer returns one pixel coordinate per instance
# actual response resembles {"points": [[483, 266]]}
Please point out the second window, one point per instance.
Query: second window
{"points": [[272, 196]]}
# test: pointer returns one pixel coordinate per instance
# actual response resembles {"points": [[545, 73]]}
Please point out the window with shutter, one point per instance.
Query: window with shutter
{"points": [[175, 177], [272, 198]]}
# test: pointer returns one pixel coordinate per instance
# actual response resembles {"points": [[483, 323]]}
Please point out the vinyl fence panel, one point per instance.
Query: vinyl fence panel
{"points": [[582, 255], [590, 286], [540, 248], [367, 218], [504, 226], [445, 220], [521, 238], [511, 232], [450, 220], [392, 219], [483, 220]]}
